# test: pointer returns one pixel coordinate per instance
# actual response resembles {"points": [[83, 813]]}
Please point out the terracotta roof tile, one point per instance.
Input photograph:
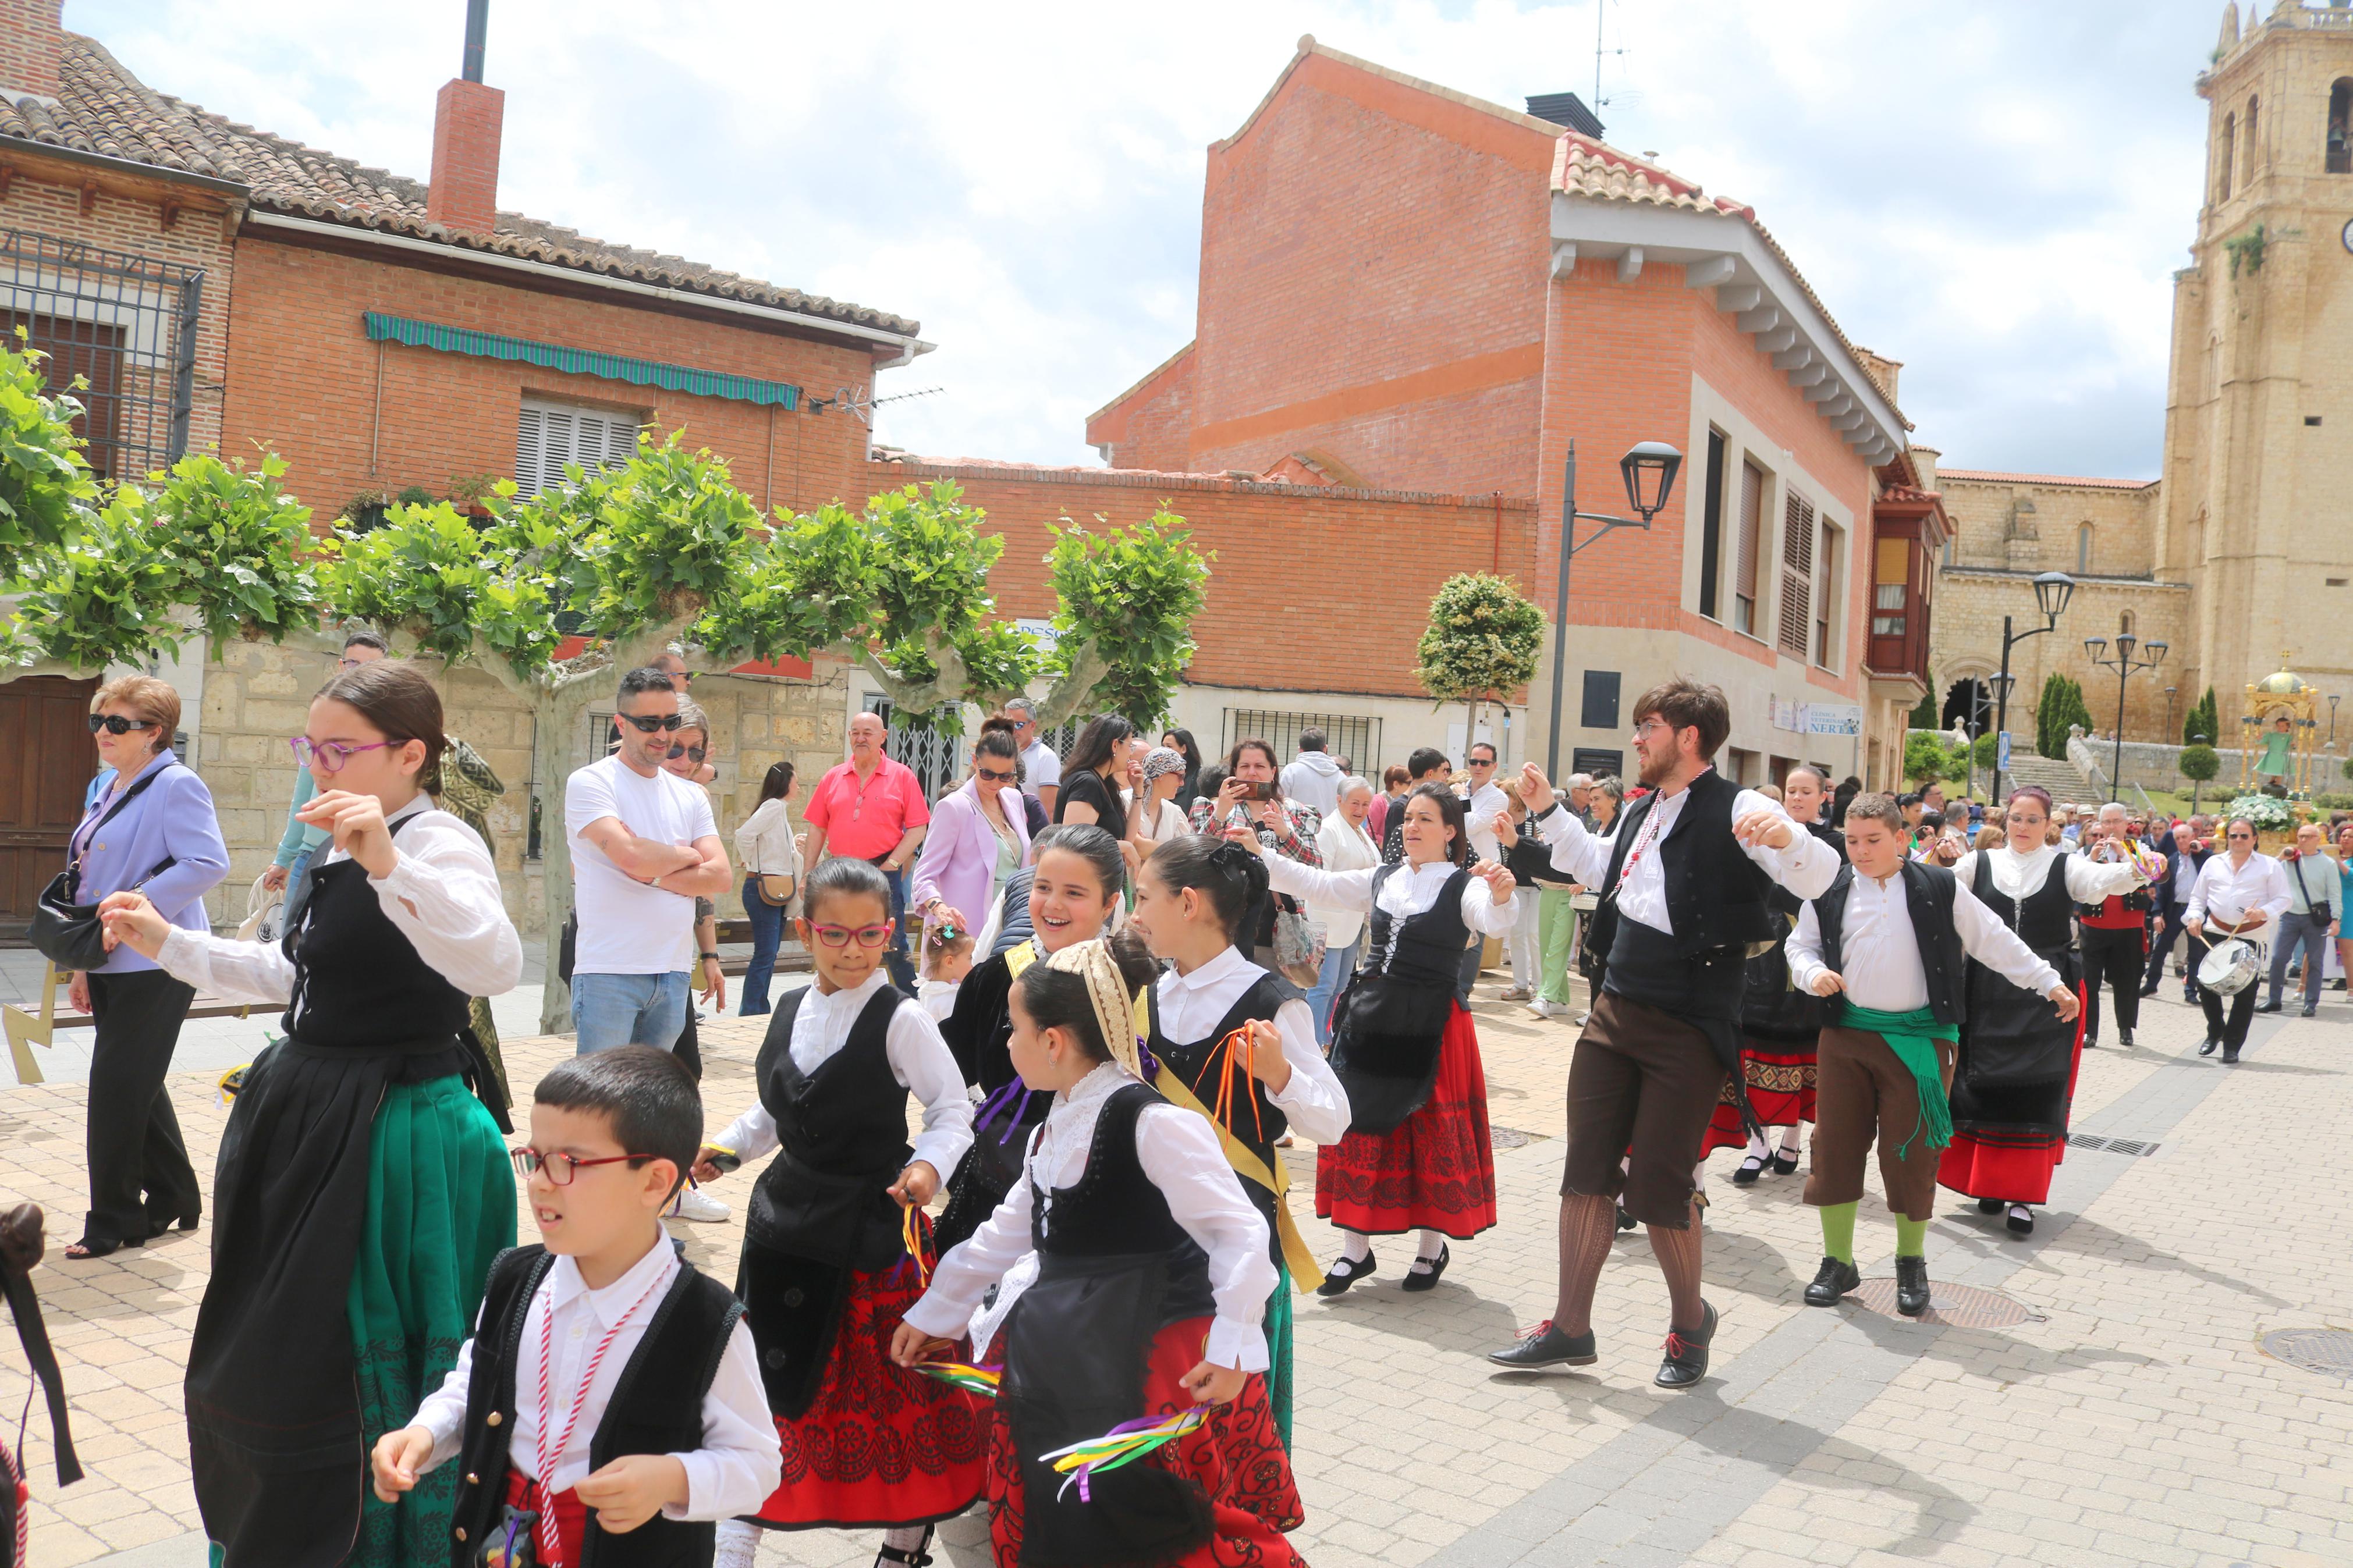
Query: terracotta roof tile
{"points": [[102, 107], [1996, 476]]}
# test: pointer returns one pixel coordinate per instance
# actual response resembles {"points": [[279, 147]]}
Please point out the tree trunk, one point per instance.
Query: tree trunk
{"points": [[558, 747]]}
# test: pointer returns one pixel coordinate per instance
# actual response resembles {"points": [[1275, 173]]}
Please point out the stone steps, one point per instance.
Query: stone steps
{"points": [[2048, 773]]}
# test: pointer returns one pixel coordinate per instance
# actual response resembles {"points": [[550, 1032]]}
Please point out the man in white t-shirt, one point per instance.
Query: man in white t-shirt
{"points": [[1041, 770], [1484, 798], [644, 847]]}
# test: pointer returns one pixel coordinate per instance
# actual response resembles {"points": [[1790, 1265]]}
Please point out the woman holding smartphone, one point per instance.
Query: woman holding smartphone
{"points": [[1250, 797]]}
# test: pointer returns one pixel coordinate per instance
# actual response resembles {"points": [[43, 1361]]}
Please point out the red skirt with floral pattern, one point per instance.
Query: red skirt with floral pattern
{"points": [[1435, 1170]]}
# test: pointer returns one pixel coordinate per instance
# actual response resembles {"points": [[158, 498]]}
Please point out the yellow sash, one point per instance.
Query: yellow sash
{"points": [[1299, 1260]]}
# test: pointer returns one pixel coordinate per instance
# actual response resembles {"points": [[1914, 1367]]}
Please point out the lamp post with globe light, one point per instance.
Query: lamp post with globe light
{"points": [[2051, 592], [1648, 469]]}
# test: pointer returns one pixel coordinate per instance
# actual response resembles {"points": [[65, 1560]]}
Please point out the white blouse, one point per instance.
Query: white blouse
{"points": [[920, 1061], [1181, 1156], [1345, 846], [1191, 1005], [1410, 891], [442, 894], [2020, 876]]}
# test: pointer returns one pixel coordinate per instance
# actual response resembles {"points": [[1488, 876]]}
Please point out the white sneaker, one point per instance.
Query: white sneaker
{"points": [[1544, 1009], [691, 1204]]}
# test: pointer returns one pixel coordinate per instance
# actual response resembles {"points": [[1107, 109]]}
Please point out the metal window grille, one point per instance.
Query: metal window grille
{"points": [[126, 325], [1349, 735], [934, 756]]}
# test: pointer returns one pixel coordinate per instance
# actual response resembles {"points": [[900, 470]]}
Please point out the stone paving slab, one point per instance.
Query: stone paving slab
{"points": [[2137, 1421]]}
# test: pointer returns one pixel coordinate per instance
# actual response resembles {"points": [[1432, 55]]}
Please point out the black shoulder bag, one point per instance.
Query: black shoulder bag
{"points": [[67, 934]]}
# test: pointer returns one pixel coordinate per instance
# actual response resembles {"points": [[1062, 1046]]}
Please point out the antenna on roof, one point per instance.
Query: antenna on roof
{"points": [[847, 397], [1600, 8], [477, 27]]}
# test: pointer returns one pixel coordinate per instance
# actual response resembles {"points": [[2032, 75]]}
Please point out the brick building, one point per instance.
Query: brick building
{"points": [[1403, 288]]}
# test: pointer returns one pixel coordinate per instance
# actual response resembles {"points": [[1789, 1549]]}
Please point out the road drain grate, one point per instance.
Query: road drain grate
{"points": [[2328, 1351], [1512, 1137], [1954, 1306], [2111, 1145]]}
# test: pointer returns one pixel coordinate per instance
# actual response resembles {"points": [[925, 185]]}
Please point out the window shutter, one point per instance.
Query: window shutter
{"points": [[1797, 574], [549, 436], [1752, 519]]}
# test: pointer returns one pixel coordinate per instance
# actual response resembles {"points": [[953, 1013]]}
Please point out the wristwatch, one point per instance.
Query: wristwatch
{"points": [[710, 956]]}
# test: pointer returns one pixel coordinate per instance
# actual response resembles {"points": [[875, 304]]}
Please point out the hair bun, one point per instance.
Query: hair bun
{"points": [[1236, 860]]}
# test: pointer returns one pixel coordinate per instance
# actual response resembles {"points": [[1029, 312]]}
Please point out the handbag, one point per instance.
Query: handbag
{"points": [[760, 890], [1299, 946], [67, 934], [264, 907]]}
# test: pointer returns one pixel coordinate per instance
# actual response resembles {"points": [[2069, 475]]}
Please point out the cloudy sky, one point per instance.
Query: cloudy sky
{"points": [[1995, 195]]}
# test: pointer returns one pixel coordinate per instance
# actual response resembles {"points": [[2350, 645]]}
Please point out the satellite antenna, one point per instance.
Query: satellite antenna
{"points": [[864, 407], [1600, 9]]}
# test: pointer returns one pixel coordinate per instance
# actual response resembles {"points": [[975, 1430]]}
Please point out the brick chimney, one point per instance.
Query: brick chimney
{"points": [[32, 45], [467, 120]]}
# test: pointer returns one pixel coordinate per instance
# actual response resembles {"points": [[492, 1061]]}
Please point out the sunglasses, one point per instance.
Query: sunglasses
{"points": [[990, 775], [116, 724], [838, 936], [697, 753], [329, 756], [560, 1168], [648, 725]]}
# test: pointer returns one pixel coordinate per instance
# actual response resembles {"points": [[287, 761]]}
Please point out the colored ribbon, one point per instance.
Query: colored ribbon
{"points": [[915, 1234], [979, 1381], [1122, 1444]]}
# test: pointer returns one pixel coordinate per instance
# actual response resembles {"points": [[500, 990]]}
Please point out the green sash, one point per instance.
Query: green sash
{"points": [[1913, 1037]]}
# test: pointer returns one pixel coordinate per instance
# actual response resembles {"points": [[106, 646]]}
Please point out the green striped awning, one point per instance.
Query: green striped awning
{"points": [[381, 328]]}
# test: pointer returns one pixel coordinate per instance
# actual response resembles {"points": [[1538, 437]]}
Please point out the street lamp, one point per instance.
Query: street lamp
{"points": [[2130, 660], [2332, 719], [2051, 592], [1648, 469], [2170, 693]]}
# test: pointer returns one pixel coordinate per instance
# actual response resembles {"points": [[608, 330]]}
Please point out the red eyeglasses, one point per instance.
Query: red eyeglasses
{"points": [[561, 1168]]}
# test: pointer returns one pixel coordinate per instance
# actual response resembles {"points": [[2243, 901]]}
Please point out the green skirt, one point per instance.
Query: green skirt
{"points": [[1278, 1352], [440, 1206]]}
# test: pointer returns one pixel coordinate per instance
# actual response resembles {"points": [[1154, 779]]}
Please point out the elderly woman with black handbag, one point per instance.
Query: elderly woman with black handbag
{"points": [[155, 831]]}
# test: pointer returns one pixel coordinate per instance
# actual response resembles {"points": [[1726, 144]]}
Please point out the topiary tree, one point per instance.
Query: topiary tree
{"points": [[1481, 642], [1924, 717], [2201, 719], [1930, 754], [2200, 763]]}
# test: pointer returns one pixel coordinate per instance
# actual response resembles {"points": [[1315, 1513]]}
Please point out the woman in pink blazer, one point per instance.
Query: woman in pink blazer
{"points": [[979, 837]]}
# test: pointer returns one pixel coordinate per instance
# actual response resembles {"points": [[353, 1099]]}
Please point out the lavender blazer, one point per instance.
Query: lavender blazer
{"points": [[959, 858], [172, 817]]}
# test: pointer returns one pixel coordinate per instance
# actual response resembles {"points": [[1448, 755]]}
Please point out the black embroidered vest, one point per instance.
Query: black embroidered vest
{"points": [[1717, 896], [1930, 892]]}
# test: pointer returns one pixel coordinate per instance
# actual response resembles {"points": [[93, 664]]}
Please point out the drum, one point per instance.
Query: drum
{"points": [[2231, 966]]}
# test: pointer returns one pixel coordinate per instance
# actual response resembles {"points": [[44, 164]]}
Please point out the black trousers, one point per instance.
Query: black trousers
{"points": [[688, 1047], [2161, 948], [141, 1182], [2113, 956], [2233, 1031]]}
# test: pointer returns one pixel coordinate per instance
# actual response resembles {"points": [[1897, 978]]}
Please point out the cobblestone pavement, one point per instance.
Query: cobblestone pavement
{"points": [[2130, 1416]]}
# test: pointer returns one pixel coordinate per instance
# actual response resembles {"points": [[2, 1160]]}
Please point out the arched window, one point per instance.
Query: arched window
{"points": [[2339, 144], [2084, 548], [2124, 623], [2254, 139], [2229, 151]]}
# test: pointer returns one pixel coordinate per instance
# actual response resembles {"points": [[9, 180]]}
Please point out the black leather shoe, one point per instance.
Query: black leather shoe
{"points": [[1832, 1281], [1545, 1345], [1785, 1160], [2209, 1048], [1420, 1278], [2149, 989], [921, 1557], [1911, 1286], [2124, 1038], [1751, 1167], [1686, 1358], [1988, 1206], [2269, 1007], [2021, 1220], [1625, 1220], [2230, 1058], [2091, 1042], [1343, 1274]]}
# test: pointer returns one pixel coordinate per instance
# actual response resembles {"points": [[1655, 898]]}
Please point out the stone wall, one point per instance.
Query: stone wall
{"points": [[1965, 641], [256, 696]]}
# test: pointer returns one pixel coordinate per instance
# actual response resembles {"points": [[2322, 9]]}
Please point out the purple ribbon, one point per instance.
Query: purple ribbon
{"points": [[1004, 1097]]}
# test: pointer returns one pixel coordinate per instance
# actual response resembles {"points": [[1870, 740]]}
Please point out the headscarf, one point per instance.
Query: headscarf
{"points": [[1114, 1008], [1163, 760]]}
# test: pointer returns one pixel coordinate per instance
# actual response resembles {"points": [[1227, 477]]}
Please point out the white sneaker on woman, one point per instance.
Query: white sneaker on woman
{"points": [[691, 1204]]}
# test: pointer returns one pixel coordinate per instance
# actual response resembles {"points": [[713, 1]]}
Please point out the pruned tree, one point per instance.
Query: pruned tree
{"points": [[1481, 644], [663, 548]]}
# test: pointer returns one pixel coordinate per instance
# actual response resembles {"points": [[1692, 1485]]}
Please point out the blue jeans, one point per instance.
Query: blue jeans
{"points": [[2310, 934], [1339, 962], [609, 1010], [767, 935], [903, 971]]}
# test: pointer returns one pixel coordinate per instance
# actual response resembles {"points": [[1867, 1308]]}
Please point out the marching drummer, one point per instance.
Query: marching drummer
{"points": [[2240, 893]]}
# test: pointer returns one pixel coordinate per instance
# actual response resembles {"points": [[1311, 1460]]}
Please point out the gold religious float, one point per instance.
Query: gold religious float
{"points": [[2277, 733]]}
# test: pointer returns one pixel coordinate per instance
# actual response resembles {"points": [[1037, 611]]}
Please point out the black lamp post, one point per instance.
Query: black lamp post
{"points": [[1650, 469], [2332, 719], [2131, 656], [2051, 592], [2170, 693]]}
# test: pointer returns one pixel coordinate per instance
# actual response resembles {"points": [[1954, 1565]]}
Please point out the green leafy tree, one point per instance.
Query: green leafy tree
{"points": [[2200, 763], [1481, 641], [663, 548], [47, 493], [1930, 754], [1924, 717], [2200, 719]]}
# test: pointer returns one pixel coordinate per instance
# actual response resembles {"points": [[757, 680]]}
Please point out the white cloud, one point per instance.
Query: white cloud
{"points": [[1996, 196]]}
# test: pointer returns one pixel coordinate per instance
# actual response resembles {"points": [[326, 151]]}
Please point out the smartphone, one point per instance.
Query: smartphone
{"points": [[722, 1159], [1265, 789]]}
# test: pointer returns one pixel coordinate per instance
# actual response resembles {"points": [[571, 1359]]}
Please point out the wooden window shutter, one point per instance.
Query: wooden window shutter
{"points": [[551, 435], [1797, 575], [1752, 521]]}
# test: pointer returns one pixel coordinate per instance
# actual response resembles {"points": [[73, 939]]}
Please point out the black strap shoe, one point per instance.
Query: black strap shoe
{"points": [[1545, 1345], [1686, 1358], [1625, 1220], [920, 1557], [1751, 1167], [1417, 1277], [1911, 1286], [1832, 1281], [2124, 1038], [1343, 1274], [2020, 1221], [1785, 1160], [2209, 1048]]}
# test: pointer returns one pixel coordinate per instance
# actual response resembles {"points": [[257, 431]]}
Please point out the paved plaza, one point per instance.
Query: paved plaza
{"points": [[2099, 1394]]}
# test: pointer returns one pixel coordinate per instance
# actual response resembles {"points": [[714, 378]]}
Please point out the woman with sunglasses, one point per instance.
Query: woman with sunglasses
{"points": [[362, 1187], [980, 837], [154, 828]]}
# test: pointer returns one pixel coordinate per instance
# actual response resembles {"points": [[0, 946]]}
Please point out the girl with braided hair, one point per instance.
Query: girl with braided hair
{"points": [[1132, 1276], [1237, 1045], [1417, 1155]]}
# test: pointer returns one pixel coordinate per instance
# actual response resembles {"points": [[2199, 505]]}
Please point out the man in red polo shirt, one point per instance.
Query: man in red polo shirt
{"points": [[873, 808]]}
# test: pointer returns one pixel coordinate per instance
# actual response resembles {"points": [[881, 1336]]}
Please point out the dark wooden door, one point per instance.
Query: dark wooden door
{"points": [[46, 763]]}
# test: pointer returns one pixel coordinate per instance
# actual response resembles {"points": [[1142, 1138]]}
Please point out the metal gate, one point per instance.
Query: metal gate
{"points": [[125, 325]]}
